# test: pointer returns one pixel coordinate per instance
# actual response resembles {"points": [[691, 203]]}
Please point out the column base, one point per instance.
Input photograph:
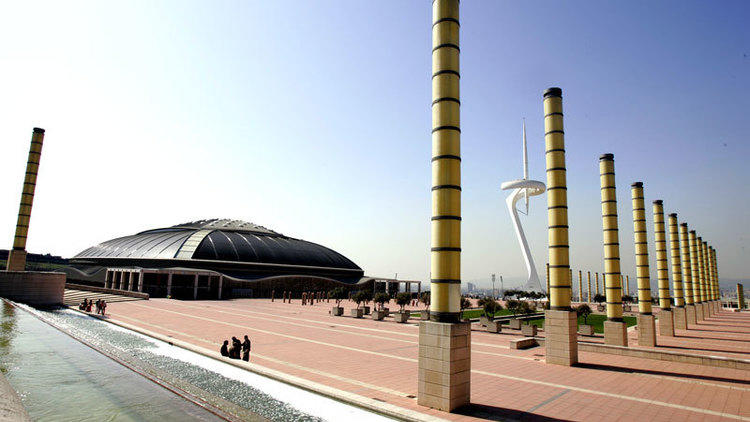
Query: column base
{"points": [[666, 323], [444, 365], [646, 331], [680, 318], [690, 314], [699, 312], [706, 312], [16, 260], [615, 333], [717, 306], [561, 337]]}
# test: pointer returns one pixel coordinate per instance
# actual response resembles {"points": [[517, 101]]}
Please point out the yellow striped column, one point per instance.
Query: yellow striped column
{"points": [[666, 317], [687, 276], [589, 291], [614, 332], [547, 281], [717, 285], [580, 286], [627, 284], [740, 296], [17, 256], [696, 276], [706, 292], [562, 341], [646, 326], [597, 283], [680, 320], [701, 276], [445, 342]]}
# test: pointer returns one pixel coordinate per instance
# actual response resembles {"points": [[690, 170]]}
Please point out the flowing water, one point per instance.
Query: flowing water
{"points": [[59, 378]]}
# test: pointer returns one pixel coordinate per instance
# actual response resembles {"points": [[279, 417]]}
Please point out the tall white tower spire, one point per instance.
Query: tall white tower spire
{"points": [[524, 188]]}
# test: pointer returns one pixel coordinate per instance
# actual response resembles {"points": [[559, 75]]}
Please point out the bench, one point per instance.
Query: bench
{"points": [[523, 343]]}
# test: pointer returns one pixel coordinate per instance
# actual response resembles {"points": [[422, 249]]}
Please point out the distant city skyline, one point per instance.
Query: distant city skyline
{"points": [[312, 119]]}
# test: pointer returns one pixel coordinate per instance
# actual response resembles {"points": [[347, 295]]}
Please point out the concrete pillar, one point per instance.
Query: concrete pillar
{"points": [[589, 290], [646, 325], [17, 255], [221, 283], [195, 287], [680, 318], [445, 341], [169, 285], [560, 321], [130, 280], [687, 275], [666, 316], [740, 296], [614, 327], [140, 281], [695, 276]]}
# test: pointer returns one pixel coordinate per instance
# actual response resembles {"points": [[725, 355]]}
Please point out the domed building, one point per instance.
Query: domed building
{"points": [[215, 258]]}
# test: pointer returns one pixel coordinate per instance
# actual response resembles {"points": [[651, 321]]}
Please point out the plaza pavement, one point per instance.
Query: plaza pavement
{"points": [[378, 360]]}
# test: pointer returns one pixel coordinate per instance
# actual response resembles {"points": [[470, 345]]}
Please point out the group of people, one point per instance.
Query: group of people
{"points": [[100, 305], [236, 348]]}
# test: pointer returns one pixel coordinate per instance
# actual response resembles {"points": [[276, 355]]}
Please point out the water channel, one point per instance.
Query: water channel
{"points": [[59, 378]]}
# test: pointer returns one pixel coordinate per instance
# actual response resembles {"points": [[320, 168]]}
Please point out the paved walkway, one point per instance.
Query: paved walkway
{"points": [[379, 360]]}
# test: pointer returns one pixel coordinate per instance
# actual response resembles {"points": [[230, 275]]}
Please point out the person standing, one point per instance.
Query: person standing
{"points": [[104, 306], [224, 349], [246, 349]]}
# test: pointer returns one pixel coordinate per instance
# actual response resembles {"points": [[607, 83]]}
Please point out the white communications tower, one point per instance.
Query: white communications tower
{"points": [[524, 188]]}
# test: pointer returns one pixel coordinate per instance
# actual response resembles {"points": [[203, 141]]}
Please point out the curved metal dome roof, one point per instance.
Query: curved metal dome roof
{"points": [[219, 240]]}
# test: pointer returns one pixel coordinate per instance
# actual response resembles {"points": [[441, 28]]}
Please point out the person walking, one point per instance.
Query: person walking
{"points": [[246, 349], [104, 306]]}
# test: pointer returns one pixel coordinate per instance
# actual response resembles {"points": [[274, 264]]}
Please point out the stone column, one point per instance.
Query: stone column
{"points": [[680, 319], [646, 325], [666, 317], [589, 290], [695, 276], [687, 275], [445, 341], [561, 323], [17, 255], [140, 281], [615, 330]]}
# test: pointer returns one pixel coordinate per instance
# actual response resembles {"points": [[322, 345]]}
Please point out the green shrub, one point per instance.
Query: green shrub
{"points": [[403, 299], [380, 299]]}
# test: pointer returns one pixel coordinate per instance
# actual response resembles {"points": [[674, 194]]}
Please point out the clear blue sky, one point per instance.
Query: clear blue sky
{"points": [[313, 119]]}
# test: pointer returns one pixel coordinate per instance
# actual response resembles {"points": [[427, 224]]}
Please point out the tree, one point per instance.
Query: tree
{"points": [[627, 299], [403, 299], [380, 299], [366, 296], [525, 308], [512, 306], [338, 294], [599, 298], [358, 297], [583, 311], [425, 299], [490, 307]]}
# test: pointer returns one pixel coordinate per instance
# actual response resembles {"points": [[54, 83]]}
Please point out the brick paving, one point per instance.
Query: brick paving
{"points": [[378, 359]]}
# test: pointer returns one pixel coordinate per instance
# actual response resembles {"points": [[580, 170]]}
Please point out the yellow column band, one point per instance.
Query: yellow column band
{"points": [[674, 254], [641, 249], [557, 200], [547, 279], [694, 267], [740, 296], [660, 241], [597, 283], [589, 291], [687, 276], [612, 277], [717, 285], [445, 283], [627, 283], [29, 186]]}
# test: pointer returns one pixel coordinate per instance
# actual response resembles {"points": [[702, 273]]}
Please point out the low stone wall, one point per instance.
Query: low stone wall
{"points": [[105, 290], [33, 288], [717, 361], [11, 407]]}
